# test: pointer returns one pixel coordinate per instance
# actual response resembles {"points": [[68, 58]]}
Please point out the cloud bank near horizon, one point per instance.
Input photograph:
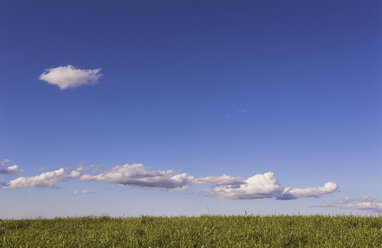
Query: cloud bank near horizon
{"points": [[66, 77], [136, 175], [365, 203]]}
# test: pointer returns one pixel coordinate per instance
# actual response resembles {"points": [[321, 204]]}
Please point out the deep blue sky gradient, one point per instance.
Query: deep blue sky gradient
{"points": [[177, 77]]}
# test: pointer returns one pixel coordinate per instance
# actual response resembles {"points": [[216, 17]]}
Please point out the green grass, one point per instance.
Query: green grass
{"points": [[204, 231]]}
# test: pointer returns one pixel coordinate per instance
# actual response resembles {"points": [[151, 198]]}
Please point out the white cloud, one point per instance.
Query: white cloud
{"points": [[10, 170], [70, 77], [47, 179], [293, 193], [360, 199], [136, 175], [344, 200], [266, 186], [367, 198], [83, 191], [363, 203], [219, 180], [258, 186]]}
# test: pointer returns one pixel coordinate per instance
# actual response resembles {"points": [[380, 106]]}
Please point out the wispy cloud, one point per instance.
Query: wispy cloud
{"points": [[83, 191], [4, 162], [344, 200], [366, 203], [136, 175], [326, 205], [9, 170], [47, 179], [219, 180], [347, 199], [242, 110], [66, 77], [266, 185]]}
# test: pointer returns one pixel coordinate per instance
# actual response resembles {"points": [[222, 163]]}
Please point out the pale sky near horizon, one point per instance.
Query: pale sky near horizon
{"points": [[190, 107]]}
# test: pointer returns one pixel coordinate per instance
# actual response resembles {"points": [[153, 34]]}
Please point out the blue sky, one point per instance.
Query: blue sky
{"points": [[202, 88]]}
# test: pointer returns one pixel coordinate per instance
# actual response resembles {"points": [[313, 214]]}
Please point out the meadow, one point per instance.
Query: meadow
{"points": [[203, 231]]}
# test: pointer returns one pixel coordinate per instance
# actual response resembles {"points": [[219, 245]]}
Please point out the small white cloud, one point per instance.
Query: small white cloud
{"points": [[360, 199], [136, 175], [47, 179], [70, 77], [10, 170], [344, 200], [219, 180], [266, 186], [83, 191], [367, 198]]}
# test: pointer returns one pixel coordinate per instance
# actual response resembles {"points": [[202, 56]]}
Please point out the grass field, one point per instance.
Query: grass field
{"points": [[204, 231]]}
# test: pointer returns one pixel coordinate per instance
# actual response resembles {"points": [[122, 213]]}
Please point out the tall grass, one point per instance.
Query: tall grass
{"points": [[204, 231]]}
